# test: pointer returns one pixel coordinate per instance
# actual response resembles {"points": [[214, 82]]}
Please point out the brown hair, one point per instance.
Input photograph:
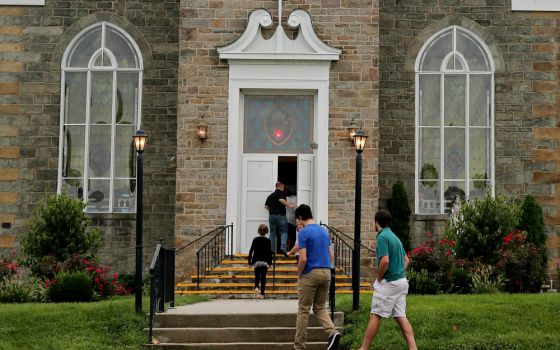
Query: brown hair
{"points": [[263, 229]]}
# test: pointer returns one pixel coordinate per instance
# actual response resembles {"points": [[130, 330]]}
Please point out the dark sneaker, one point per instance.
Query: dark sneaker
{"points": [[333, 341], [283, 252]]}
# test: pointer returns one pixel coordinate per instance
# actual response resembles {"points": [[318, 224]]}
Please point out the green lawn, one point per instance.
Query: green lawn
{"points": [[442, 322], [110, 324], [464, 322]]}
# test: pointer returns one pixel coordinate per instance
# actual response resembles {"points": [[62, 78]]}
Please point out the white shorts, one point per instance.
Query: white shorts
{"points": [[389, 298]]}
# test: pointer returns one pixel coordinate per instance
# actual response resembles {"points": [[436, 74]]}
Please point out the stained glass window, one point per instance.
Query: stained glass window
{"points": [[454, 138], [278, 124], [101, 76]]}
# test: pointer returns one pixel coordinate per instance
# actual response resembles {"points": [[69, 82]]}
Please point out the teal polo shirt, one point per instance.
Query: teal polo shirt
{"points": [[388, 244]]}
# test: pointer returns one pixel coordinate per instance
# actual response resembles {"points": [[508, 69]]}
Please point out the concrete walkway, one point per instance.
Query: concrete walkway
{"points": [[238, 306]]}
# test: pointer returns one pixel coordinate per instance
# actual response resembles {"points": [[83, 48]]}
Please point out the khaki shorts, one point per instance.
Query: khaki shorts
{"points": [[389, 299]]}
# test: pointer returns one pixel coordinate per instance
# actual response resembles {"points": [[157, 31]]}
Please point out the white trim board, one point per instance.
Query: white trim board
{"points": [[535, 5], [22, 2]]}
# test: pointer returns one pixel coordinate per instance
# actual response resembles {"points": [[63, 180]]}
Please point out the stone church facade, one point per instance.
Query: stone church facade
{"points": [[166, 75]]}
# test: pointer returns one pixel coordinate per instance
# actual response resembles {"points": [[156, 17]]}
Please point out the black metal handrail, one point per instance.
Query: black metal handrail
{"points": [[213, 252], [204, 236], [342, 250], [340, 233], [162, 283]]}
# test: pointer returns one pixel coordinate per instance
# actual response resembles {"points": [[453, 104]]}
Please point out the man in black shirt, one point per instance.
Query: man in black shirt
{"points": [[276, 205]]}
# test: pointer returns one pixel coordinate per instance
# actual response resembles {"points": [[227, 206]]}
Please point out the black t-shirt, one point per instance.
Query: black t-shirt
{"points": [[260, 250], [273, 203]]}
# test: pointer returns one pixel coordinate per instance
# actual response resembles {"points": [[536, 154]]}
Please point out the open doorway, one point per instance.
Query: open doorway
{"points": [[287, 174]]}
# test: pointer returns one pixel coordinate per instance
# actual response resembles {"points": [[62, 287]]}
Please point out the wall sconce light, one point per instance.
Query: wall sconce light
{"points": [[352, 130], [202, 129]]}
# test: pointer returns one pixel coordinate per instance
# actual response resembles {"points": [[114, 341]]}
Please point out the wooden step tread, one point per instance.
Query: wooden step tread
{"points": [[251, 269], [193, 284], [240, 262], [252, 276]]}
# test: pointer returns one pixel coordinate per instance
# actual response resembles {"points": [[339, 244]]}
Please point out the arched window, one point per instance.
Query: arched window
{"points": [[100, 112], [454, 120]]}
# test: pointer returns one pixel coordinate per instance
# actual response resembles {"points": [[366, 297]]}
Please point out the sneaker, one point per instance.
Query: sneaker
{"points": [[257, 290], [333, 341], [283, 252]]}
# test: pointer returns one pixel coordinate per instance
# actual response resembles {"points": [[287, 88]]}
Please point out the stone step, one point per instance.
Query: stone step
{"points": [[238, 285], [252, 277], [235, 334], [246, 269], [249, 294], [175, 320], [238, 346], [245, 262]]}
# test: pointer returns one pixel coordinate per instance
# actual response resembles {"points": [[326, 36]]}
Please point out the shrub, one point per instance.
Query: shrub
{"points": [[486, 281], [8, 269], [421, 282], [15, 290], [399, 207], [58, 228], [481, 225], [532, 221], [461, 280], [437, 258], [521, 263], [70, 286]]}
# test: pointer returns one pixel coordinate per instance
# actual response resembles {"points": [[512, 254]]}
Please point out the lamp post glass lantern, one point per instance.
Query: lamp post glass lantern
{"points": [[140, 139], [359, 142]]}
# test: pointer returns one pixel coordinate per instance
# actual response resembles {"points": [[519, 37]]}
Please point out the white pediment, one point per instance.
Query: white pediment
{"points": [[306, 46]]}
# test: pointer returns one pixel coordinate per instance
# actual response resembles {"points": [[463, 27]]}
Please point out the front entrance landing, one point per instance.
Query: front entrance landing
{"points": [[236, 324]]}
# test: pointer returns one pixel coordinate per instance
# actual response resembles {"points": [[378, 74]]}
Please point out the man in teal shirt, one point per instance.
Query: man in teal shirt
{"points": [[391, 285]]}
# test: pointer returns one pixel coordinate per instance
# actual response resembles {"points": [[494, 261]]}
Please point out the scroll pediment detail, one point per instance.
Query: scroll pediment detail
{"points": [[251, 45]]}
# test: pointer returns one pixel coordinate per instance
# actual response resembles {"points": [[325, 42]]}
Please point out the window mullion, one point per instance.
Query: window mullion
{"points": [[442, 144], [467, 136], [86, 142], [492, 136], [113, 140], [418, 117]]}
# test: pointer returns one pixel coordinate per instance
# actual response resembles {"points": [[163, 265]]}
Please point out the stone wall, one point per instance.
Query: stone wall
{"points": [[526, 96], [351, 25], [32, 41]]}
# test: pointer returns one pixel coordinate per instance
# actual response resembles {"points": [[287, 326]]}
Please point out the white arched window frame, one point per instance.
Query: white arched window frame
{"points": [[100, 110], [454, 120]]}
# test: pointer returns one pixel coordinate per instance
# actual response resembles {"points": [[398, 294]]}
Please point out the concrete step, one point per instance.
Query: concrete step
{"points": [[250, 294], [175, 320], [235, 334], [238, 346]]}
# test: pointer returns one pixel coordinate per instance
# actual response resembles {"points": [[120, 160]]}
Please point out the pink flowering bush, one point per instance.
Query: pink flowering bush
{"points": [[8, 269], [437, 258], [521, 263], [103, 282]]}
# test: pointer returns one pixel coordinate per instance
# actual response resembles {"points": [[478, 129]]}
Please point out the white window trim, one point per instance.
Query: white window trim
{"points": [[535, 5], [22, 2], [442, 73], [88, 70]]}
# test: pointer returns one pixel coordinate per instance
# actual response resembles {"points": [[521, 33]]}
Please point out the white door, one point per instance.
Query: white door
{"points": [[305, 180], [258, 181]]}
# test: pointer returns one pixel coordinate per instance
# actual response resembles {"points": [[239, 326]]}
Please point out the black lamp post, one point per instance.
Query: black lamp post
{"points": [[360, 142], [139, 143]]}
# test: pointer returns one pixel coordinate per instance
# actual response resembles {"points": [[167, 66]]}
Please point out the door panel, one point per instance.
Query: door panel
{"points": [[305, 180], [259, 177]]}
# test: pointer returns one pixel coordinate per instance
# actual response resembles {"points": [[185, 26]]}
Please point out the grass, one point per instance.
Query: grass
{"points": [[463, 322], [110, 324]]}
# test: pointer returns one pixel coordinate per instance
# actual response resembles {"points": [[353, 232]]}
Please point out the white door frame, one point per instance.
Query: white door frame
{"points": [[307, 76]]}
